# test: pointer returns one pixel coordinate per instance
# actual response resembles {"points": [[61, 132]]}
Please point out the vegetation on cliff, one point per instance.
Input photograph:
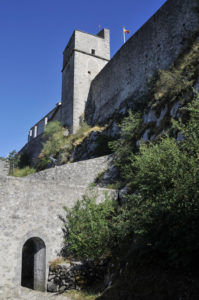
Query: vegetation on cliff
{"points": [[158, 224], [58, 144]]}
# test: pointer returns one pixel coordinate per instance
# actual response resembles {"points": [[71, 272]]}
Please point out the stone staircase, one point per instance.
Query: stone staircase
{"points": [[4, 168]]}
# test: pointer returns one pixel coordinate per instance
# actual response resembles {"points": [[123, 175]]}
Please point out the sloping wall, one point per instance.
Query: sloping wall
{"points": [[124, 80], [80, 173]]}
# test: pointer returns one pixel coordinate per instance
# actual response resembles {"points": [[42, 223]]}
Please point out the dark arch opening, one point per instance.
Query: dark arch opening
{"points": [[33, 273]]}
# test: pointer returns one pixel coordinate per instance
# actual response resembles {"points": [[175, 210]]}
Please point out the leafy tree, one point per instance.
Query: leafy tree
{"points": [[13, 159]]}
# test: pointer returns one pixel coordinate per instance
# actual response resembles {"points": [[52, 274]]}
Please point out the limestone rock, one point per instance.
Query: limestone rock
{"points": [[52, 287]]}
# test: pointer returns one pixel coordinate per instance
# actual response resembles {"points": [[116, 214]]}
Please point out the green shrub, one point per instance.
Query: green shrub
{"points": [[23, 172], [93, 230], [163, 201], [126, 145], [13, 159], [54, 140]]}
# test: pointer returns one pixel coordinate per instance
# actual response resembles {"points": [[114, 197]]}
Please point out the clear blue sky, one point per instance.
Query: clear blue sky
{"points": [[33, 35]]}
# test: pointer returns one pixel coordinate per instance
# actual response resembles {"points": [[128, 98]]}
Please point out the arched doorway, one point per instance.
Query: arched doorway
{"points": [[33, 273]]}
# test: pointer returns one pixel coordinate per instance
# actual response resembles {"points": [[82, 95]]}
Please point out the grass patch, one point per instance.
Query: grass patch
{"points": [[58, 261], [172, 84], [90, 293], [23, 172], [84, 131], [115, 186]]}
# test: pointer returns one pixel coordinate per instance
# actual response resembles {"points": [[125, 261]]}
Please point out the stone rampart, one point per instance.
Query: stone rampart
{"points": [[156, 45]]}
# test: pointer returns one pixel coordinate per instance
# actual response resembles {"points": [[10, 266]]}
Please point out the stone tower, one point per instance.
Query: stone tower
{"points": [[83, 58]]}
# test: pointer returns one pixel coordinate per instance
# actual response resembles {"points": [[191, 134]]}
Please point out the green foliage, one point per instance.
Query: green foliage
{"points": [[102, 147], [162, 208], [54, 139], [13, 159], [163, 202], [123, 147], [73, 140], [57, 144], [177, 81], [23, 172], [93, 230]]}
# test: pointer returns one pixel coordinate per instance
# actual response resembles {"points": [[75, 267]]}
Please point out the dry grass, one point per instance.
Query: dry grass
{"points": [[83, 132], [179, 79], [89, 294], [58, 260]]}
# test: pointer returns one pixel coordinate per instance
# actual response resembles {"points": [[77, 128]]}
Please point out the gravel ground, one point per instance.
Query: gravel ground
{"points": [[20, 293]]}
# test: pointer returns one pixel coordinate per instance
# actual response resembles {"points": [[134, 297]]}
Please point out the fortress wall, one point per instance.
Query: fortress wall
{"points": [[31, 208], [80, 173], [155, 46], [33, 148]]}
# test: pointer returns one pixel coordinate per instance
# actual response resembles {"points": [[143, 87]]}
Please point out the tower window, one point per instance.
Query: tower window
{"points": [[93, 51]]}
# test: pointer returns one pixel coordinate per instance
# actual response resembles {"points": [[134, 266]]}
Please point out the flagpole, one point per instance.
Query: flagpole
{"points": [[123, 34]]}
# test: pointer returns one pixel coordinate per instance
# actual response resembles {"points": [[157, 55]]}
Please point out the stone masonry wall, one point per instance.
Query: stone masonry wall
{"points": [[4, 167], [84, 56], [80, 173], [75, 275], [124, 80], [30, 208]]}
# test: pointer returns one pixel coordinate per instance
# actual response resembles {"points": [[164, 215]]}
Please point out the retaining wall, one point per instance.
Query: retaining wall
{"points": [[80, 173]]}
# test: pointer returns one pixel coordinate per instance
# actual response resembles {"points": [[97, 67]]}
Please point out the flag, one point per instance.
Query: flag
{"points": [[126, 30]]}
